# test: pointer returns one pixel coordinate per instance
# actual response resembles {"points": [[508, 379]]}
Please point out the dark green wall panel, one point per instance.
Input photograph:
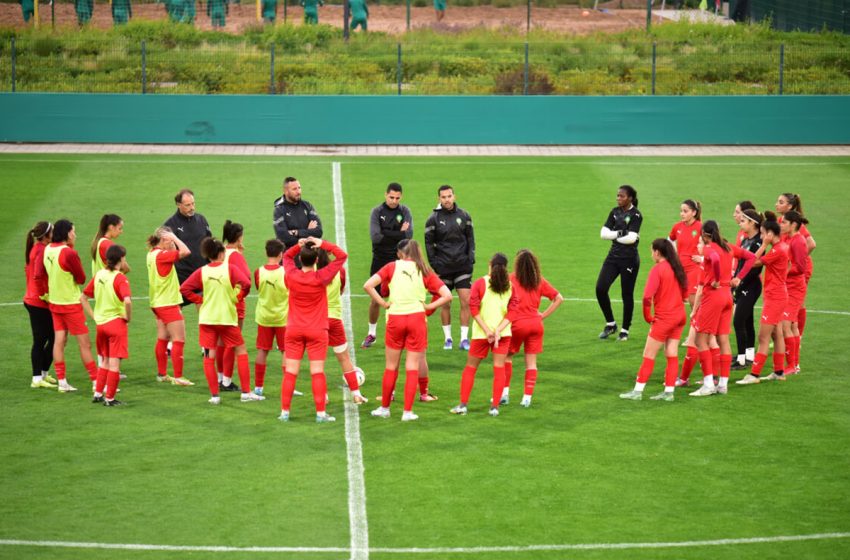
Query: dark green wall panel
{"points": [[246, 119]]}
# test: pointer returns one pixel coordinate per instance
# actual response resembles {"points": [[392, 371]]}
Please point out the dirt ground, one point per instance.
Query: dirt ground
{"points": [[392, 19]]}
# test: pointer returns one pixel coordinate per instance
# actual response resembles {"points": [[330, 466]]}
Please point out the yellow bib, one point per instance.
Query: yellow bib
{"points": [[494, 307], [107, 305], [163, 291], [60, 283], [407, 290], [219, 307], [273, 300]]}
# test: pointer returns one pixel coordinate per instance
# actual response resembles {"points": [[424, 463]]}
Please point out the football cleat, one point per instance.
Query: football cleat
{"points": [[181, 381], [428, 397], [749, 379], [448, 344], [50, 379], [722, 390], [215, 400], [42, 384], [324, 417], [66, 387], [632, 395], [774, 377], [464, 345], [706, 390], [368, 341], [459, 410], [97, 399], [284, 416], [682, 382], [526, 401], [359, 399], [251, 397], [232, 388], [164, 378], [666, 396], [608, 331], [493, 411], [113, 402], [408, 416], [381, 412]]}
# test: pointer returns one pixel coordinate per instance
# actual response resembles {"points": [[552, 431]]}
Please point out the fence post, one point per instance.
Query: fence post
{"points": [[398, 69], [781, 67], [528, 17], [408, 15], [14, 61], [653, 68], [525, 73], [285, 3], [345, 11], [144, 68], [648, 13], [271, 70]]}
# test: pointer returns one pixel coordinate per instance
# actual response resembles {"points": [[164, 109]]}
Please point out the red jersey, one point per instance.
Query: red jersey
{"points": [[718, 264], [195, 283], [308, 296], [479, 287], [36, 277], [798, 253], [165, 261], [663, 292], [103, 247], [804, 233], [686, 238], [69, 261], [121, 286], [528, 304], [776, 271]]}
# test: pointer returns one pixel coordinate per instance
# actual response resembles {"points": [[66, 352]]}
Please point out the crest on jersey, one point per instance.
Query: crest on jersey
{"points": [[628, 219], [693, 233], [458, 220], [398, 218]]}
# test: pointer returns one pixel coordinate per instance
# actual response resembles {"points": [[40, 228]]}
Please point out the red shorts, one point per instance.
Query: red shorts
{"points": [[528, 332], [266, 337], [168, 314], [111, 339], [663, 330], [73, 322], [771, 313], [479, 347], [407, 332], [336, 333], [714, 315], [315, 341], [796, 300], [230, 335], [693, 273]]}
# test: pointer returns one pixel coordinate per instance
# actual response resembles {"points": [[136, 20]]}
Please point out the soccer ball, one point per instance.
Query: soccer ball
{"points": [[361, 375]]}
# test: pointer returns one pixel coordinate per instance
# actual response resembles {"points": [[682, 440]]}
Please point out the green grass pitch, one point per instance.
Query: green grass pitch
{"points": [[579, 467]]}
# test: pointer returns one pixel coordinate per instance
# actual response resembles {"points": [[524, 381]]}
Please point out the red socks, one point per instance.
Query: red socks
{"points": [[645, 370], [320, 389], [498, 385], [388, 386], [671, 371], [530, 380], [467, 380], [801, 320], [160, 351], [509, 372], [60, 370], [112, 378], [209, 373], [91, 367], [423, 385], [351, 380], [259, 374], [101, 380], [219, 359], [229, 358], [244, 372], [690, 361], [411, 381], [778, 359], [715, 361], [758, 363], [287, 388], [177, 357], [725, 365], [706, 361]]}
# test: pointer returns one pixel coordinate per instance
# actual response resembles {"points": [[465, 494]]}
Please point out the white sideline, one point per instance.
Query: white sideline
{"points": [[443, 550], [357, 521]]}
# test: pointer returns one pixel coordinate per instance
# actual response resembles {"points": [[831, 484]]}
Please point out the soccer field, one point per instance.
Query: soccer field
{"points": [[763, 472]]}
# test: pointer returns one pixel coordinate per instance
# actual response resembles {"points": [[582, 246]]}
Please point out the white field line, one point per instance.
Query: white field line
{"points": [[347, 296], [358, 524], [443, 550]]}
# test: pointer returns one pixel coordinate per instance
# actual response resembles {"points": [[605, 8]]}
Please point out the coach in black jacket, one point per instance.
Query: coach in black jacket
{"points": [[450, 244], [294, 218], [190, 228]]}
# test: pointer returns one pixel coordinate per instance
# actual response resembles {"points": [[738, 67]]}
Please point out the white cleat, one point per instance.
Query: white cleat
{"points": [[460, 410], [181, 381], [324, 417], [284, 416], [749, 379], [215, 400], [526, 401], [682, 382], [774, 377], [493, 411], [251, 397], [65, 387], [706, 390], [409, 416], [381, 412]]}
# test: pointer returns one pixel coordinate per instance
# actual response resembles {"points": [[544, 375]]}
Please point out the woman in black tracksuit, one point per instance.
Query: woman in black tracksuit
{"points": [[622, 228], [748, 291]]}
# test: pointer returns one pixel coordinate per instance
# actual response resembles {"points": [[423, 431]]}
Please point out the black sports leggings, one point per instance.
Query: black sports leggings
{"points": [[41, 322], [627, 270], [745, 300]]}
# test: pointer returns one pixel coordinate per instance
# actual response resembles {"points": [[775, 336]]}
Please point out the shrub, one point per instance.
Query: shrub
{"points": [[513, 83]]}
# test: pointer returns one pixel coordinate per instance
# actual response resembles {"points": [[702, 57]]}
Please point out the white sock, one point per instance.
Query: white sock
{"points": [[741, 359], [708, 380], [447, 332], [724, 381], [611, 324], [226, 381], [750, 354], [669, 389], [37, 378], [356, 393], [98, 395], [373, 329], [506, 391], [639, 387], [464, 333], [45, 373], [220, 376]]}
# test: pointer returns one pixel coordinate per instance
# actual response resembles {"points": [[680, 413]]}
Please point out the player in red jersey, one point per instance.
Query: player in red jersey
{"points": [[35, 302], [232, 235], [775, 297], [217, 287], [527, 327], [788, 202], [493, 306], [111, 227], [796, 285], [712, 312], [408, 280], [111, 292], [271, 311], [165, 300], [64, 272], [666, 289], [307, 321], [686, 234]]}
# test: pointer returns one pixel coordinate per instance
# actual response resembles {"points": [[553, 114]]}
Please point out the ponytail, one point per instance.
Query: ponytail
{"points": [[499, 281], [409, 248], [114, 255], [665, 248], [795, 217], [795, 202], [38, 232], [695, 206], [211, 248], [712, 230], [231, 232], [105, 221], [527, 270], [154, 239]]}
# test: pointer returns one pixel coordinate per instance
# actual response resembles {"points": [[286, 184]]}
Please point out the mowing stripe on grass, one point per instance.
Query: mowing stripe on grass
{"points": [[357, 521], [444, 550]]}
